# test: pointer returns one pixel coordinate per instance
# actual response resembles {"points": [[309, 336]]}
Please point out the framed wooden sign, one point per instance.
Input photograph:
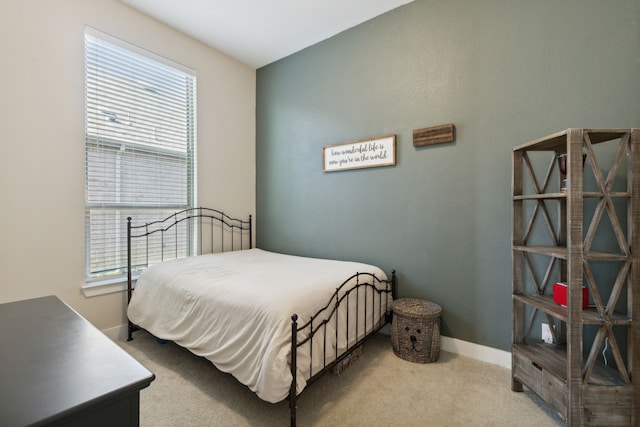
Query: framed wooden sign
{"points": [[365, 153]]}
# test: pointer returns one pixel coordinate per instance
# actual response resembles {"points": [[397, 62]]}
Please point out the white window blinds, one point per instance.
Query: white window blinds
{"points": [[140, 145]]}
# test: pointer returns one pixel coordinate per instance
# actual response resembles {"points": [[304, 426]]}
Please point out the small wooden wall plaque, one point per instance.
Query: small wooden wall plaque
{"points": [[433, 135]]}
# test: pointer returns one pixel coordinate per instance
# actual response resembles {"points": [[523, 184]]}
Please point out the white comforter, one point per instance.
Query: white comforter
{"points": [[235, 309]]}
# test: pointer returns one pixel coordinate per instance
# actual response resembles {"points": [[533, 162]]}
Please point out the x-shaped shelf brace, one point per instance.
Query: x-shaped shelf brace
{"points": [[605, 187], [606, 330], [540, 206], [606, 204]]}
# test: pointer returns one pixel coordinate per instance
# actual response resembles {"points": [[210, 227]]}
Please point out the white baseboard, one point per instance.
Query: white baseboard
{"points": [[119, 333], [476, 351], [452, 345]]}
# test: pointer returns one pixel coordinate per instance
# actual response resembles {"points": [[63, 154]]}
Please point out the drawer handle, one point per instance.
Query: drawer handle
{"points": [[536, 365]]}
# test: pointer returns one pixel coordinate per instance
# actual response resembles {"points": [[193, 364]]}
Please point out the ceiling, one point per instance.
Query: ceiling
{"points": [[258, 32]]}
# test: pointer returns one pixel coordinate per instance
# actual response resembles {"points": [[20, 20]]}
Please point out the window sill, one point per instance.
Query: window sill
{"points": [[106, 286]]}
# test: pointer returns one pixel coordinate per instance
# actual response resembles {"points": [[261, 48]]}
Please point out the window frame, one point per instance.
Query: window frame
{"points": [[100, 284]]}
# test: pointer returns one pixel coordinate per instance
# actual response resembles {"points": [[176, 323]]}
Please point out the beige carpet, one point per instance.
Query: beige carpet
{"points": [[380, 389]]}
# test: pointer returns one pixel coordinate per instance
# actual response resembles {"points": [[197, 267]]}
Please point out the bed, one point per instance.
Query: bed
{"points": [[276, 322]]}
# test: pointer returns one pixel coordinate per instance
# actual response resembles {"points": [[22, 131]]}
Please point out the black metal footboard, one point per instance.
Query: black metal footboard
{"points": [[360, 289], [189, 232]]}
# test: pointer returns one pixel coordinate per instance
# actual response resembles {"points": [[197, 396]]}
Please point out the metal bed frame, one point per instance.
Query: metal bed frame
{"points": [[376, 293]]}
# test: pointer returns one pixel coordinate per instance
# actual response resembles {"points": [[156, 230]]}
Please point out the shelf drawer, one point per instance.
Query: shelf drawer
{"points": [[541, 381]]}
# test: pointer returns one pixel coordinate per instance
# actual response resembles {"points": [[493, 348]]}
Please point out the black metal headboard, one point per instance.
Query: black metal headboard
{"points": [[189, 232]]}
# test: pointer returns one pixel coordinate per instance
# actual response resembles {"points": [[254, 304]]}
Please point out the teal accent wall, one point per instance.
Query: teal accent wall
{"points": [[503, 72]]}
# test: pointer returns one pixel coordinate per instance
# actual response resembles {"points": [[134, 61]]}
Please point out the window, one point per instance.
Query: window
{"points": [[140, 146]]}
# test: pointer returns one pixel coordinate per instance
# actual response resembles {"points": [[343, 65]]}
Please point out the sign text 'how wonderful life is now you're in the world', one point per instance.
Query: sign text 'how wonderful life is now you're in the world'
{"points": [[360, 154]]}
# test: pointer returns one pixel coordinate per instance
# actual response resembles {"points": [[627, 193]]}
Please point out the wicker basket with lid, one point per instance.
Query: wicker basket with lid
{"points": [[415, 330]]}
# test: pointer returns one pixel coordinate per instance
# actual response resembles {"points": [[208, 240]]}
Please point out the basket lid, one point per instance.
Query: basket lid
{"points": [[415, 307]]}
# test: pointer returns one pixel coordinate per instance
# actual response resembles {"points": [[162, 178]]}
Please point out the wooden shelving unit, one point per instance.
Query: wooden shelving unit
{"points": [[586, 373]]}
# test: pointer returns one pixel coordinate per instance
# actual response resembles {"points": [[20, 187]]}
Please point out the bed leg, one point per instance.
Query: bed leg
{"points": [[293, 407], [293, 404], [394, 285], [130, 328]]}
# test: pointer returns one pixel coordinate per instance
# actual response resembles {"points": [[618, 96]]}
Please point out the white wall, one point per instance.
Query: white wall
{"points": [[42, 249]]}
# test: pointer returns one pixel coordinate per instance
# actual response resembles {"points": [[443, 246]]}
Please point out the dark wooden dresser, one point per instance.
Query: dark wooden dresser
{"points": [[56, 369]]}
